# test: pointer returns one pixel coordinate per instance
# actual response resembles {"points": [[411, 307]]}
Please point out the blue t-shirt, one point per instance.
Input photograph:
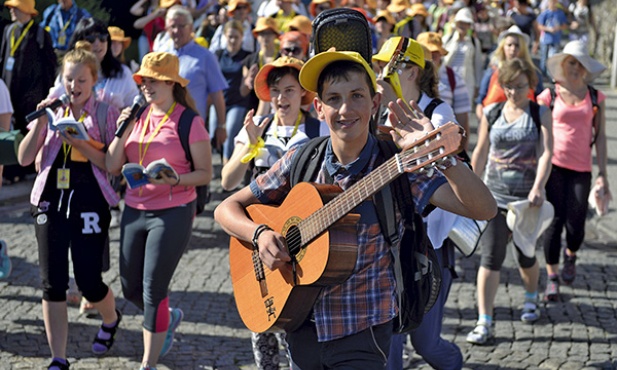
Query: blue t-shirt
{"points": [[552, 18]]}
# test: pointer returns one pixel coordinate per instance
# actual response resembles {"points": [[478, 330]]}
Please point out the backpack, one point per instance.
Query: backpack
{"points": [[184, 129], [534, 110], [593, 94], [344, 29], [416, 268]]}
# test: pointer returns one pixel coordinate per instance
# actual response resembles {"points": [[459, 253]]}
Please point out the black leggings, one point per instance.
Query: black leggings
{"points": [[152, 243], [567, 191], [84, 232], [494, 243]]}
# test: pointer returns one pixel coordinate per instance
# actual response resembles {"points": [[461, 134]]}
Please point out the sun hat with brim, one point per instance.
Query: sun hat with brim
{"points": [[264, 24], [314, 3], [160, 66], [432, 41], [301, 23], [262, 90], [528, 223], [413, 50], [26, 6], [578, 50], [418, 9], [384, 14], [117, 34], [464, 15], [514, 30], [168, 3], [309, 74], [233, 4], [397, 6]]}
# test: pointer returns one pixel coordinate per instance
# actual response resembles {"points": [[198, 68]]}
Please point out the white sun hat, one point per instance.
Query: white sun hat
{"points": [[514, 30], [578, 50], [464, 15], [528, 223]]}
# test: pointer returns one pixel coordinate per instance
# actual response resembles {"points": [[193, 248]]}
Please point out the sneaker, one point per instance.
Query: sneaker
{"points": [[73, 295], [482, 333], [568, 273], [175, 318], [551, 294], [5, 261], [531, 311], [116, 215], [147, 367]]}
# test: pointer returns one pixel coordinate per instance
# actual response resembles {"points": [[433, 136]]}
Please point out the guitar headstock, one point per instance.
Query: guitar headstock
{"points": [[432, 149]]}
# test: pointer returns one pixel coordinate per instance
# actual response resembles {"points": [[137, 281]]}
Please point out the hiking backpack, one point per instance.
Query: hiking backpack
{"points": [[416, 268], [344, 29], [593, 94]]}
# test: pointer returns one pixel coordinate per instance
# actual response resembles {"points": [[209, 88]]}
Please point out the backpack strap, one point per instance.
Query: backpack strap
{"points": [[553, 97], [383, 200], [430, 108], [451, 80], [307, 160], [494, 114], [184, 129], [593, 94], [534, 110]]}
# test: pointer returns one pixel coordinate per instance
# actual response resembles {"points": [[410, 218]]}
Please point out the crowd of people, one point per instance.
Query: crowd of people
{"points": [[239, 78]]}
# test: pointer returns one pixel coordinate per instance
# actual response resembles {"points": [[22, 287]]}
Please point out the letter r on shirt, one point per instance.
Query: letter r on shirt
{"points": [[91, 223]]}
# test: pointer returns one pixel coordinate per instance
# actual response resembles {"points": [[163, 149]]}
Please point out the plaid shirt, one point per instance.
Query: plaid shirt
{"points": [[53, 143], [367, 298]]}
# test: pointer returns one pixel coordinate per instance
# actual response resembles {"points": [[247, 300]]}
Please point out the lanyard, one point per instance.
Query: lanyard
{"points": [[65, 147], [15, 45], [276, 122], [142, 155], [64, 26]]}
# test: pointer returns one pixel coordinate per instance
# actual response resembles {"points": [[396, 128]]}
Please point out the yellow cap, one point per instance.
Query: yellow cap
{"points": [[432, 41], [412, 50], [309, 74], [160, 66], [26, 6], [262, 90]]}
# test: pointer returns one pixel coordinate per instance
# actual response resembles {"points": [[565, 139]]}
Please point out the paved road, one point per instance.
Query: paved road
{"points": [[580, 333]]}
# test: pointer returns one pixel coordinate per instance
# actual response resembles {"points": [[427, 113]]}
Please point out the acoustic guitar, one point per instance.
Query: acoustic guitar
{"points": [[321, 237]]}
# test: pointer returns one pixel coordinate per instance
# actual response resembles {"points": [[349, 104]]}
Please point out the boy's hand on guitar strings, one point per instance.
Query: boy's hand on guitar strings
{"points": [[273, 250], [408, 123]]}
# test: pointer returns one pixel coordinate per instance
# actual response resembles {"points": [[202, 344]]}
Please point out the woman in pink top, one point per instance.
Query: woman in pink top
{"points": [[70, 203], [157, 219], [577, 127]]}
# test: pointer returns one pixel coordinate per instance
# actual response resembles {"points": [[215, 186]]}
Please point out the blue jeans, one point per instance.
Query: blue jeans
{"points": [[426, 339], [547, 51], [233, 122]]}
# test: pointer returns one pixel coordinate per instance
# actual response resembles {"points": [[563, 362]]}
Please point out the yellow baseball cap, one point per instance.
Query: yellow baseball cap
{"points": [[309, 74], [412, 50]]}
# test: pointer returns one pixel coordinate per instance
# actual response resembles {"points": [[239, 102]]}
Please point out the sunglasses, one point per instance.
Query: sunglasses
{"points": [[91, 38], [294, 50], [242, 7], [321, 8]]}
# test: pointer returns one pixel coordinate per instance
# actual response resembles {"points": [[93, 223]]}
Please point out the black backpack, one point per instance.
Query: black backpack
{"points": [[344, 29], [417, 271], [534, 110], [593, 94], [184, 130]]}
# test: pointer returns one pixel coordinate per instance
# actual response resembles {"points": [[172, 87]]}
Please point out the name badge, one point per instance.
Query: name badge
{"points": [[61, 38], [10, 63], [64, 178]]}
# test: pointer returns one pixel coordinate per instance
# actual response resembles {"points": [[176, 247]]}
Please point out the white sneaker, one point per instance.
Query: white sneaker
{"points": [[531, 312], [482, 333], [115, 218]]}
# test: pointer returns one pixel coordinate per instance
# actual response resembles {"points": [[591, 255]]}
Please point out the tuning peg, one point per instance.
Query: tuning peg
{"points": [[430, 172]]}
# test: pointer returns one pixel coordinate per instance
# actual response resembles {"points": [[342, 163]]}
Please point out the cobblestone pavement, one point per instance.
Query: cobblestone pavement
{"points": [[578, 333]]}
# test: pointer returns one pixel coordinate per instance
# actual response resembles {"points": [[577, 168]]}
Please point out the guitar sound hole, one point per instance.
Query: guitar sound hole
{"points": [[294, 240]]}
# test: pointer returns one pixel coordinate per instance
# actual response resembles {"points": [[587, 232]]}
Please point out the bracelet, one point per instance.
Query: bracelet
{"points": [[177, 182], [601, 174], [260, 229]]}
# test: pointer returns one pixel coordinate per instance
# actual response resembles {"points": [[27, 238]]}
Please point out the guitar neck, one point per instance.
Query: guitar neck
{"points": [[434, 146], [345, 202]]}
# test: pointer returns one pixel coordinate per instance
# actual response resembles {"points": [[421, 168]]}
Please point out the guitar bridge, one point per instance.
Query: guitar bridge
{"points": [[260, 275]]}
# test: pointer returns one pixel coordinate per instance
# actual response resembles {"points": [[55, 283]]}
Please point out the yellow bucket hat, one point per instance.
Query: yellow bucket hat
{"points": [[117, 34], [261, 80], [26, 6]]}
